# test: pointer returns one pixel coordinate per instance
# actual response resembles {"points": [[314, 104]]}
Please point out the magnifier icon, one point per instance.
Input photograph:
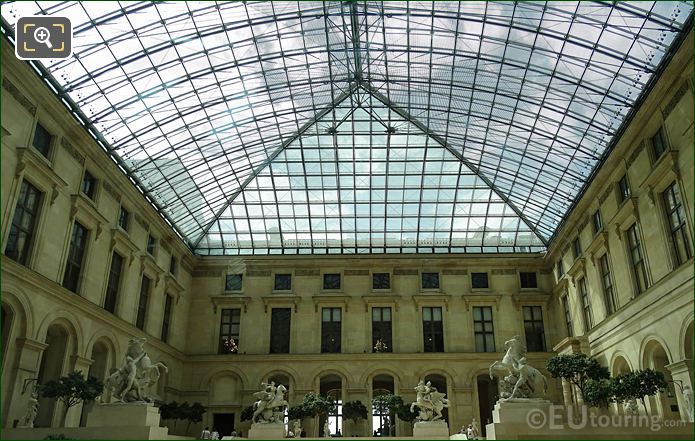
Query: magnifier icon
{"points": [[42, 35]]}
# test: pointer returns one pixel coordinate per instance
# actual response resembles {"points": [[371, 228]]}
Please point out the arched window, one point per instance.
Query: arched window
{"points": [[382, 421], [331, 386]]}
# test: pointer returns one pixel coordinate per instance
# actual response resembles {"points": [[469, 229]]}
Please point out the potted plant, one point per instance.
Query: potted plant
{"points": [[72, 390], [638, 385], [354, 411]]}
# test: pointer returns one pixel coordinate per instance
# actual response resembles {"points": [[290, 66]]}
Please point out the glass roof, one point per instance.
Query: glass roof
{"points": [[314, 127]]}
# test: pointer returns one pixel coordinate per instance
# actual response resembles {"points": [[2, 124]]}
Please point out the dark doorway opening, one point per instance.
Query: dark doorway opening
{"points": [[487, 397], [224, 423]]}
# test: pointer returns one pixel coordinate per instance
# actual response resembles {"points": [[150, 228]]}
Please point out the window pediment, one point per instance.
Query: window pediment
{"points": [[121, 241], [225, 301], [86, 211], [332, 299], [40, 169], [530, 299], [482, 300], [429, 299], [280, 300], [665, 171], [626, 215]]}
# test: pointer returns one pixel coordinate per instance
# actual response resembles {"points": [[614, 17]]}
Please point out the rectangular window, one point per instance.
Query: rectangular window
{"points": [[608, 293], [381, 330], [586, 305], [330, 330], [233, 282], [479, 281], [42, 140], [639, 270], [173, 266], [151, 244], [229, 331], [123, 218], [283, 282], [623, 188], [568, 316], [167, 318], [331, 281], [143, 302], [677, 225], [533, 328], [560, 269], [432, 329], [483, 329], [89, 185], [576, 249], [430, 280], [528, 280], [596, 221], [659, 145], [73, 267], [381, 281], [114, 283], [22, 231], [280, 320]]}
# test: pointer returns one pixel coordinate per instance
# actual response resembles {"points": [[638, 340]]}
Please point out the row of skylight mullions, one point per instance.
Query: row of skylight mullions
{"points": [[567, 87], [206, 250]]}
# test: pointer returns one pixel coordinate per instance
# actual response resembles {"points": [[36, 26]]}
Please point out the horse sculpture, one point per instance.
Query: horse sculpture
{"points": [[131, 382], [271, 404], [518, 379], [429, 402]]}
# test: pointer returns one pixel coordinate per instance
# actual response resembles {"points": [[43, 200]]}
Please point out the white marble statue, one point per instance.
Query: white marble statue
{"points": [[297, 428], [326, 429], [516, 378], [476, 428], [271, 404], [137, 375], [631, 408], [32, 409], [688, 399], [429, 402]]}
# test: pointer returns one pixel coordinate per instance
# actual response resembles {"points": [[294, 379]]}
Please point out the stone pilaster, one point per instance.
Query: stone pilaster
{"points": [[681, 372]]}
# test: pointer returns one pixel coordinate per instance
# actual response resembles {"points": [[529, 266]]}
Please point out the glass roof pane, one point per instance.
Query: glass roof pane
{"points": [[226, 111]]}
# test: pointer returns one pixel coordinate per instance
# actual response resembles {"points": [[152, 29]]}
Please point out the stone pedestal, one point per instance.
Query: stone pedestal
{"points": [[431, 430], [267, 431], [516, 417], [139, 419]]}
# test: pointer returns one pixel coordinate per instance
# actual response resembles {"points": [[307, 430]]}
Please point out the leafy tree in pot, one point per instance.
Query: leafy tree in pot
{"points": [[577, 369], [395, 406], [72, 390], [354, 411], [193, 413], [638, 385]]}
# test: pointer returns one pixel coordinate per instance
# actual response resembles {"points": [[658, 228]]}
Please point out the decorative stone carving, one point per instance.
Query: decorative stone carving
{"points": [[516, 378], [688, 398], [271, 404], [131, 382], [429, 402], [326, 430], [32, 409], [297, 429]]}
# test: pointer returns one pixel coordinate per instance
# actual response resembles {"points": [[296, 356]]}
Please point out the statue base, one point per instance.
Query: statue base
{"points": [[139, 420], [510, 418], [267, 431], [431, 430]]}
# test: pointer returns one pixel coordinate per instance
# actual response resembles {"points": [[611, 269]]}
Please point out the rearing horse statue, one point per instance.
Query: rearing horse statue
{"points": [[270, 398], [511, 357]]}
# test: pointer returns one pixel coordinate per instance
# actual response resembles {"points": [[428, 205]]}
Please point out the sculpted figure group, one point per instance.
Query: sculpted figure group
{"points": [[271, 404], [132, 381], [516, 378], [429, 402]]}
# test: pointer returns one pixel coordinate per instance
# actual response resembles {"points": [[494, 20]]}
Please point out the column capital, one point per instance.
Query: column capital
{"points": [[30, 343], [79, 362], [680, 366]]}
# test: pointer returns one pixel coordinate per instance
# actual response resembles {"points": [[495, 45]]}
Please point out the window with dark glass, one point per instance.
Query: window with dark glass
{"points": [[576, 248], [143, 302], [89, 185], [233, 282], [330, 329], [331, 281], [483, 329], [479, 280], [42, 140], [586, 305], [432, 329], [229, 331], [381, 281], [381, 329], [677, 225], [73, 266], [280, 320], [608, 292], [430, 280], [623, 188], [528, 280], [114, 282], [123, 218], [596, 221], [167, 318], [151, 243], [283, 282], [560, 267], [568, 316], [659, 145], [173, 266], [22, 231], [533, 328], [639, 269]]}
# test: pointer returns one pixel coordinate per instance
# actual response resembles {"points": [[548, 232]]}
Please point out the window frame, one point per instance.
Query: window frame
{"points": [[655, 153], [167, 317], [673, 190], [521, 280], [587, 310], [275, 334], [116, 290], [624, 189], [122, 210], [329, 329], [143, 304], [634, 243], [567, 312], [227, 284], [92, 193], [275, 282], [334, 289], [389, 332], [606, 275], [50, 148], [596, 221], [535, 322], [388, 276], [151, 246], [423, 274], [484, 332], [72, 265], [24, 257], [231, 323], [437, 345], [487, 281]]}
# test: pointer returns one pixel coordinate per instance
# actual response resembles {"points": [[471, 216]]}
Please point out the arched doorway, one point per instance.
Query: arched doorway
{"points": [[382, 422], [620, 366], [52, 363], [100, 370], [439, 382], [331, 386], [488, 394], [663, 404]]}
